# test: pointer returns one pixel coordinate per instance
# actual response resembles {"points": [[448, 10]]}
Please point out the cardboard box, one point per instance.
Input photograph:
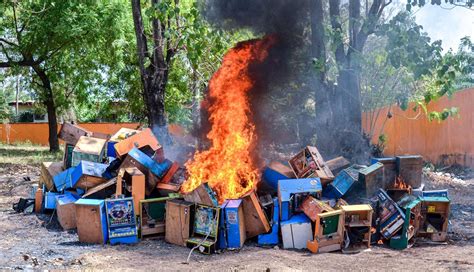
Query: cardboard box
{"points": [[91, 220], [328, 232], [272, 238], [88, 175], [66, 211], [255, 220], [71, 133], [140, 140], [152, 170], [48, 171], [312, 207], [410, 169], [296, 231], [206, 224], [121, 221], [292, 193], [202, 195], [235, 224], [179, 218], [88, 149], [309, 163]]}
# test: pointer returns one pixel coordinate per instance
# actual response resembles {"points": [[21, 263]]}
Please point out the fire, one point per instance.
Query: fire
{"points": [[228, 166], [400, 184]]}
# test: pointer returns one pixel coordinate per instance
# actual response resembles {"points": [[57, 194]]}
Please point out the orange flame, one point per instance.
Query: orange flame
{"points": [[227, 166], [400, 184]]}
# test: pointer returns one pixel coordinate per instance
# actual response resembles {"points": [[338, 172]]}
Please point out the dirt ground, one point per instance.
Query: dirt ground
{"points": [[28, 241]]}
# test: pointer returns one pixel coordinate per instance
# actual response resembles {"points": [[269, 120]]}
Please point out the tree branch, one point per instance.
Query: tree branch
{"points": [[142, 47], [335, 15], [158, 36]]}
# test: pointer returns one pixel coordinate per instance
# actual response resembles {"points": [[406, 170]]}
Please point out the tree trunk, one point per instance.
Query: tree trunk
{"points": [[50, 107]]}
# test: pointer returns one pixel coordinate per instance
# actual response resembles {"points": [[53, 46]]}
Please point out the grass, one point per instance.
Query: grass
{"points": [[26, 153]]}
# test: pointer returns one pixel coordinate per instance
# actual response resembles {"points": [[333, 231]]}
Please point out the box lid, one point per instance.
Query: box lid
{"points": [[94, 202], [158, 169], [65, 199], [296, 219], [434, 199], [359, 207], [90, 145], [370, 169], [287, 187], [234, 203]]}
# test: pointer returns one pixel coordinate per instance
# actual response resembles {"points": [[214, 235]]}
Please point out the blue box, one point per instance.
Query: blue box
{"points": [[91, 220], [435, 193], [272, 176], [222, 233], [292, 192], [50, 200], [62, 181], [158, 169], [272, 238], [94, 170], [121, 221], [342, 183], [235, 227], [111, 149]]}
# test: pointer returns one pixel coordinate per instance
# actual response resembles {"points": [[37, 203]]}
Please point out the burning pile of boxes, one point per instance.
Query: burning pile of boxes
{"points": [[122, 189]]}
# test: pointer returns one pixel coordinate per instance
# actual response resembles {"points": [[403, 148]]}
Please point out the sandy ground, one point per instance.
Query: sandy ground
{"points": [[27, 241]]}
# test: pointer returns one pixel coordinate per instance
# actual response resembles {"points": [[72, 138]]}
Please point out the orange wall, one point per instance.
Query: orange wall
{"points": [[38, 133], [449, 141]]}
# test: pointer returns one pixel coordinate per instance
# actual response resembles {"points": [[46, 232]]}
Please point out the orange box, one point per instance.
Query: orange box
{"points": [[139, 140]]}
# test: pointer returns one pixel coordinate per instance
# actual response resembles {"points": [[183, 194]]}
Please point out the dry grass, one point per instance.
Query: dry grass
{"points": [[26, 153]]}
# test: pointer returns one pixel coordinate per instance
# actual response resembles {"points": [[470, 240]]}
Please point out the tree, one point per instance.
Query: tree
{"points": [[54, 43]]}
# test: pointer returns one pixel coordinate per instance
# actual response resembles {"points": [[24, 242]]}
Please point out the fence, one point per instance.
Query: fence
{"points": [[408, 132]]}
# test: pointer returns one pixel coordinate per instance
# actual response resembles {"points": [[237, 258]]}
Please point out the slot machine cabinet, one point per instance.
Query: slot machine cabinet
{"points": [[435, 214], [328, 232], [121, 221], [358, 224], [205, 230]]}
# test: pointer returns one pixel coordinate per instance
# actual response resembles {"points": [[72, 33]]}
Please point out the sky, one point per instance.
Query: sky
{"points": [[446, 23]]}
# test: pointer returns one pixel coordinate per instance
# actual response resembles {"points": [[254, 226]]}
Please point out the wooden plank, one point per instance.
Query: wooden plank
{"points": [[136, 180], [178, 221], [255, 220], [102, 191]]}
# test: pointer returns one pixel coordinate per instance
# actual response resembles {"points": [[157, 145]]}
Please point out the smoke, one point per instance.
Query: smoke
{"points": [[287, 20]]}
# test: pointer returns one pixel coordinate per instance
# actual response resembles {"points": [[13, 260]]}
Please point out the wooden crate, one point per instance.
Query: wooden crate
{"points": [[88, 175], [66, 211], [410, 169], [389, 171], [179, 219], [312, 207], [371, 179], [91, 220], [255, 220], [309, 163], [71, 133], [435, 217], [142, 139], [337, 164], [152, 215], [88, 149], [102, 191], [358, 217], [202, 195], [48, 171]]}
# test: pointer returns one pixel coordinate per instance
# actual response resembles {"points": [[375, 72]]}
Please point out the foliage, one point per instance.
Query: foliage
{"points": [[421, 3], [4, 109]]}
